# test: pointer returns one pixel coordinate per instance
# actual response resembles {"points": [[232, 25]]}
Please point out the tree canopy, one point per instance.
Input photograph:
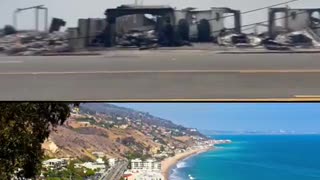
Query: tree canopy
{"points": [[23, 129]]}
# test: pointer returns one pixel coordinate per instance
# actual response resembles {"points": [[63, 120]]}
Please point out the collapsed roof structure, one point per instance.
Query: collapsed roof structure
{"points": [[113, 14], [201, 25]]}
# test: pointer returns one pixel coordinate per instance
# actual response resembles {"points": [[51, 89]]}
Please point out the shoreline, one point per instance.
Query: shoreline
{"points": [[168, 163]]}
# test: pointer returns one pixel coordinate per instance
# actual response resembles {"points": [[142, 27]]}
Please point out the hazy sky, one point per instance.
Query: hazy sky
{"points": [[71, 10], [224, 116]]}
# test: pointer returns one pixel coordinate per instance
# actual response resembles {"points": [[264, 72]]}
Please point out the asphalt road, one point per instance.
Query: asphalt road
{"points": [[160, 75], [116, 172]]}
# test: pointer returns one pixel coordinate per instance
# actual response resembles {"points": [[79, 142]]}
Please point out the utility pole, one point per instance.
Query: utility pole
{"points": [[288, 16], [135, 16]]}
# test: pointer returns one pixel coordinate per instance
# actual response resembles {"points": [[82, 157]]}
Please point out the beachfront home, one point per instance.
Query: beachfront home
{"points": [[136, 164], [148, 165], [177, 151], [149, 176], [161, 155]]}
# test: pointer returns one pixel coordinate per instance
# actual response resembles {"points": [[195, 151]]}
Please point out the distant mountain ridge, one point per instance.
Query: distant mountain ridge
{"points": [[253, 132], [146, 117]]}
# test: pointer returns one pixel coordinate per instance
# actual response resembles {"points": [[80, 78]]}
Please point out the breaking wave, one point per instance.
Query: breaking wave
{"points": [[181, 164], [175, 175]]}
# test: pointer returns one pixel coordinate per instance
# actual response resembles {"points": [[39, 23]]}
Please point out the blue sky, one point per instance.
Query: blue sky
{"points": [[301, 118], [72, 10]]}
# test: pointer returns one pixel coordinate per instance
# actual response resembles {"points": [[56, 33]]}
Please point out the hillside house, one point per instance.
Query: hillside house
{"points": [[55, 164], [98, 164], [124, 126]]}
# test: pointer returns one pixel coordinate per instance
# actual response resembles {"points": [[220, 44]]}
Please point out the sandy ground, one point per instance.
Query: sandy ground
{"points": [[168, 163]]}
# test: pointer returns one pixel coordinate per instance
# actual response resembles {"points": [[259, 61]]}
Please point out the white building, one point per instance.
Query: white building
{"points": [[99, 164], [124, 126], [119, 118], [136, 164], [148, 165], [112, 162], [161, 155], [55, 163], [193, 130], [149, 176]]}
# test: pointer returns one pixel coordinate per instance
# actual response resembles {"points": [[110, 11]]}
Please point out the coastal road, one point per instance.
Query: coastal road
{"points": [[161, 75], [115, 172]]}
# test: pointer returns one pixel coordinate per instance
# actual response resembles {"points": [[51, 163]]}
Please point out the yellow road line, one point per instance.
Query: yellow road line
{"points": [[282, 71], [214, 100], [160, 71], [307, 96]]}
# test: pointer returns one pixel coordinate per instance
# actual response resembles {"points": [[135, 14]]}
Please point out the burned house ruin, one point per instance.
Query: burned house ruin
{"points": [[204, 25], [187, 24], [161, 25], [162, 15], [285, 20]]}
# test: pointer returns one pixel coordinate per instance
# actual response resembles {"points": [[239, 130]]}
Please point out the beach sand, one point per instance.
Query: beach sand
{"points": [[168, 163]]}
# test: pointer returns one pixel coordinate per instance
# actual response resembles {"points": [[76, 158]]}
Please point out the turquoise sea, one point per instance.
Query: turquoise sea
{"points": [[282, 157]]}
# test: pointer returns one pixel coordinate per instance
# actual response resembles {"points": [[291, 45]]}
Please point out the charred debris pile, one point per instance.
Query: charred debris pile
{"points": [[146, 27], [31, 42]]}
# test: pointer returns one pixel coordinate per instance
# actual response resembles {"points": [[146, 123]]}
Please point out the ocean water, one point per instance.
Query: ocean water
{"points": [[255, 158]]}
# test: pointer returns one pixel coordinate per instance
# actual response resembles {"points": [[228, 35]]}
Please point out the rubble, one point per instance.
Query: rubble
{"points": [[56, 24], [34, 43], [146, 40], [300, 39], [138, 38], [271, 44], [238, 40], [284, 41]]}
